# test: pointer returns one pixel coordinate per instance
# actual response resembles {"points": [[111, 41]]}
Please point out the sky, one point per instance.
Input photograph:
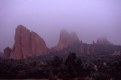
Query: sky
{"points": [[90, 19]]}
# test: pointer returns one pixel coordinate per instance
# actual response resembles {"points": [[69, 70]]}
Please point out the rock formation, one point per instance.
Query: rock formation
{"points": [[30, 44], [71, 42], [27, 44], [7, 53], [38, 45], [87, 48], [67, 39], [103, 41]]}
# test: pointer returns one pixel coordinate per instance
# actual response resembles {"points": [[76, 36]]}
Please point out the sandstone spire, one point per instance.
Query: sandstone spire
{"points": [[27, 44]]}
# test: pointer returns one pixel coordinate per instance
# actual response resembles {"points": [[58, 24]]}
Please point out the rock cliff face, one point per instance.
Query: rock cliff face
{"points": [[87, 48], [38, 45], [67, 39], [7, 53], [27, 44], [22, 46]]}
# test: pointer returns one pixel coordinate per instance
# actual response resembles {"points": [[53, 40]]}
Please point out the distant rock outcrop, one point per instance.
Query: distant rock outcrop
{"points": [[71, 43], [67, 39], [87, 48], [27, 44], [103, 41], [7, 53]]}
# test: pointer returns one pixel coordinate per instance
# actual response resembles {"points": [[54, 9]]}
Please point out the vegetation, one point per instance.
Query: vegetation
{"points": [[70, 68]]}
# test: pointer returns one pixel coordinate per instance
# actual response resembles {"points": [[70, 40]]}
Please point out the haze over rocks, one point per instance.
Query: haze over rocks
{"points": [[103, 41], [29, 44], [67, 39]]}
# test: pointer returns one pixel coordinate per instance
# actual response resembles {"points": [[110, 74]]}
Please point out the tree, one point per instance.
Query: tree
{"points": [[70, 64]]}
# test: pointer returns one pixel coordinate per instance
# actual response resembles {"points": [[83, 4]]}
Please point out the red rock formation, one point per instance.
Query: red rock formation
{"points": [[67, 39], [27, 44], [87, 49], [22, 46], [7, 52], [38, 45], [71, 40]]}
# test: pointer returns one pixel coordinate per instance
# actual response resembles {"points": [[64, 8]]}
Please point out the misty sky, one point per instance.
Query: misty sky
{"points": [[90, 19]]}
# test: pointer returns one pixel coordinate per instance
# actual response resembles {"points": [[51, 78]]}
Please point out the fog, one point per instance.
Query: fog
{"points": [[90, 19]]}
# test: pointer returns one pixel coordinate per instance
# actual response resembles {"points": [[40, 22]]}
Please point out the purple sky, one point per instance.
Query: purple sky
{"points": [[90, 19]]}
